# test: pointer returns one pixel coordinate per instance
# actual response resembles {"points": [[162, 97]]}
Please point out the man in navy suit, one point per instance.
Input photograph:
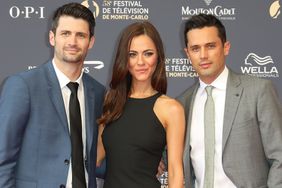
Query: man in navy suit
{"points": [[35, 144]]}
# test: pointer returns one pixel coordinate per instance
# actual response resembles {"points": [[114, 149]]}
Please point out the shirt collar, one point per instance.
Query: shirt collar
{"points": [[220, 82], [63, 79]]}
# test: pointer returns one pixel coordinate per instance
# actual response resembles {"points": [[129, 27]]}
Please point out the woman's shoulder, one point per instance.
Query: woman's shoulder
{"points": [[168, 110], [168, 104]]}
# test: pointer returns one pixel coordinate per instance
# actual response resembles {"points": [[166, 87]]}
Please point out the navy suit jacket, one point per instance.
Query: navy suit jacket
{"points": [[35, 146]]}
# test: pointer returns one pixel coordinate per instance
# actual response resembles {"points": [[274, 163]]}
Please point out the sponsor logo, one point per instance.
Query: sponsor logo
{"points": [[252, 57], [259, 66], [27, 12], [163, 179], [31, 67], [88, 65], [95, 64], [208, 2], [179, 68], [92, 65], [124, 10], [93, 6], [274, 9], [223, 13]]}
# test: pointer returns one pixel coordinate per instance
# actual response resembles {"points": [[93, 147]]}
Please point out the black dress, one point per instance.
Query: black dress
{"points": [[134, 144]]}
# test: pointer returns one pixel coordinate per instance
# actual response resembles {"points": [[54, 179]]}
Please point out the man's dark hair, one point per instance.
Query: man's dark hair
{"points": [[204, 20], [75, 10]]}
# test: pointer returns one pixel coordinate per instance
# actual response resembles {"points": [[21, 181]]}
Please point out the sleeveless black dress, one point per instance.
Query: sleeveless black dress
{"points": [[134, 144]]}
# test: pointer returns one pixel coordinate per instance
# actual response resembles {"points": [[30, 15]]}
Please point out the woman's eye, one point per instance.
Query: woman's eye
{"points": [[132, 54], [148, 54]]}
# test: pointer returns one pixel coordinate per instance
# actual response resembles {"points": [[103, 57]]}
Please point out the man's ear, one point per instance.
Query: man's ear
{"points": [[91, 43], [186, 52], [227, 46], [52, 38]]}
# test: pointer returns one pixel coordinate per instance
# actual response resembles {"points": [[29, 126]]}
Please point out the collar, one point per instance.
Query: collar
{"points": [[63, 79], [219, 83]]}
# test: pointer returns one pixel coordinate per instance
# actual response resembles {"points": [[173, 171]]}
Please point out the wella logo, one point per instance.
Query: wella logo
{"points": [[259, 66], [252, 57]]}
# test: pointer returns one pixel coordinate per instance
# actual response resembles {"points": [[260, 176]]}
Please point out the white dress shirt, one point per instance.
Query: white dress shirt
{"points": [[197, 142], [63, 81]]}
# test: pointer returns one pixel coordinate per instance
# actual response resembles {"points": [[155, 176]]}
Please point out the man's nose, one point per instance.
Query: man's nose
{"points": [[203, 53]]}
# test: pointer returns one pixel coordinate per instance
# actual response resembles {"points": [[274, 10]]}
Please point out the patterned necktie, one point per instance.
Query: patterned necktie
{"points": [[209, 123], [77, 162]]}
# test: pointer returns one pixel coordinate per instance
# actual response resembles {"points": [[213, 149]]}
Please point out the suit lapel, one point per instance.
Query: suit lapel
{"points": [[189, 102], [55, 94], [188, 113], [232, 99], [89, 112]]}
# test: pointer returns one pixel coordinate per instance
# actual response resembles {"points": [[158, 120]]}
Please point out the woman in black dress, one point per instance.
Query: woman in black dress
{"points": [[139, 120]]}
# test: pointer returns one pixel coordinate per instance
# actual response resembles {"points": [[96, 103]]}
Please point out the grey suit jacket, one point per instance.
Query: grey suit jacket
{"points": [[252, 133], [35, 146]]}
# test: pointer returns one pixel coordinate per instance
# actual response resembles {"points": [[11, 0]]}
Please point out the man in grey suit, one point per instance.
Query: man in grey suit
{"points": [[35, 141], [244, 149]]}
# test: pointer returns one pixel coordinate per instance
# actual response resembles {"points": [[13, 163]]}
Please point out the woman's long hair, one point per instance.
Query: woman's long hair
{"points": [[121, 78]]}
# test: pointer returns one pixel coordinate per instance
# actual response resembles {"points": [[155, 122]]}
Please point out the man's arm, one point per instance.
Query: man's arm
{"points": [[14, 112], [270, 123]]}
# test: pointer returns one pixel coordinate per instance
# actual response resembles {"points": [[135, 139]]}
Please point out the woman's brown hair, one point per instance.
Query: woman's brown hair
{"points": [[121, 79]]}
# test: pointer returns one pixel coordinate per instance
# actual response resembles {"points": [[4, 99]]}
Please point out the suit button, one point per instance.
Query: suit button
{"points": [[67, 162], [62, 186]]}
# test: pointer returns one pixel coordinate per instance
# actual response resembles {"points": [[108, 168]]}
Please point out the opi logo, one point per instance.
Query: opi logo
{"points": [[27, 12]]}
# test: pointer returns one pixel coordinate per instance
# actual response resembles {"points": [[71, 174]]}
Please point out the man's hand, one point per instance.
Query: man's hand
{"points": [[161, 168]]}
